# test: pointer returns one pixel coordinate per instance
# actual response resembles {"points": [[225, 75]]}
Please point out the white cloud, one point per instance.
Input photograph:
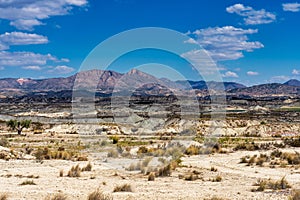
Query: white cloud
{"points": [[226, 43], [296, 72], [251, 16], [24, 58], [292, 7], [19, 38], [62, 69], [251, 73], [32, 67], [230, 74], [279, 79], [200, 59], [26, 14], [25, 24]]}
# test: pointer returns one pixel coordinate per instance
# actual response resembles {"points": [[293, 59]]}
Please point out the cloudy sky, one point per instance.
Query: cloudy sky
{"points": [[251, 41]]}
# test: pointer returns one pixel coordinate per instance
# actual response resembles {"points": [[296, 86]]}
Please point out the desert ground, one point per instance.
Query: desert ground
{"points": [[252, 158]]}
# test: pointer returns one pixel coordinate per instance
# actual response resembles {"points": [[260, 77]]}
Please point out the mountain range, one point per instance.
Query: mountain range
{"points": [[107, 82]]}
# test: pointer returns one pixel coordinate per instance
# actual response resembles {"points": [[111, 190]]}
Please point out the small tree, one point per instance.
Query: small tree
{"points": [[18, 125]]}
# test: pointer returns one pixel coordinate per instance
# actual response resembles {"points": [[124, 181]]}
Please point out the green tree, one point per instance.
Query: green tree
{"points": [[18, 125]]}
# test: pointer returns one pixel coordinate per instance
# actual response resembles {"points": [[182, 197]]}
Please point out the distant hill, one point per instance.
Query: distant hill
{"points": [[138, 82], [268, 89], [293, 82], [202, 85]]}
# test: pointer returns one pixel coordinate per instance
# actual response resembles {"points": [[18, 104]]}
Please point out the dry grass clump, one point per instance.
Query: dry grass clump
{"points": [[28, 176], [218, 178], [294, 142], [58, 196], [191, 177], [142, 165], [275, 158], [61, 153], [74, 171], [213, 169], [4, 142], [99, 195], [87, 168], [151, 176], [295, 195], [123, 188], [165, 171], [112, 153], [61, 173], [28, 182], [192, 150], [3, 196], [215, 198], [270, 184]]}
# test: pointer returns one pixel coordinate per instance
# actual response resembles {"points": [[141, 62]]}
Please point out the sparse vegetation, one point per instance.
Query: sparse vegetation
{"points": [[18, 125], [61, 173], [270, 184], [295, 195], [88, 167], [28, 182], [58, 196], [151, 176], [99, 195], [275, 158], [123, 188], [75, 171], [4, 142], [112, 153], [3, 196], [218, 178]]}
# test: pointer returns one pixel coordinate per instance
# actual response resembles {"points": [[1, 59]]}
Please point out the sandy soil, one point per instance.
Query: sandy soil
{"points": [[237, 179]]}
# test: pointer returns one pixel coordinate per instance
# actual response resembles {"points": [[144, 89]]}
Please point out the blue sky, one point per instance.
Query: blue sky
{"points": [[251, 42]]}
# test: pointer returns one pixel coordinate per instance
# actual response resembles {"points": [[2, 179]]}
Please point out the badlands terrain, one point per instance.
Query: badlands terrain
{"points": [[152, 145]]}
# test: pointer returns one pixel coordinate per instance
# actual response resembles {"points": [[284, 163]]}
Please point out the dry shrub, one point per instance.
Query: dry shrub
{"points": [[165, 171], [4, 142], [215, 198], [270, 184], [28, 182], [192, 150], [87, 168], [74, 171], [213, 169], [113, 153], [218, 178], [3, 196], [99, 195], [61, 173], [191, 177], [123, 188], [58, 196], [151, 176], [295, 195]]}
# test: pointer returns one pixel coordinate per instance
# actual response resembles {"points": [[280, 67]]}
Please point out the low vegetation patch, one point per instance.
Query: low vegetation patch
{"points": [[275, 158], [75, 171], [99, 195], [62, 154], [3, 196], [218, 178], [4, 142], [123, 188], [87, 168], [271, 184], [58, 196], [295, 195], [28, 182]]}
